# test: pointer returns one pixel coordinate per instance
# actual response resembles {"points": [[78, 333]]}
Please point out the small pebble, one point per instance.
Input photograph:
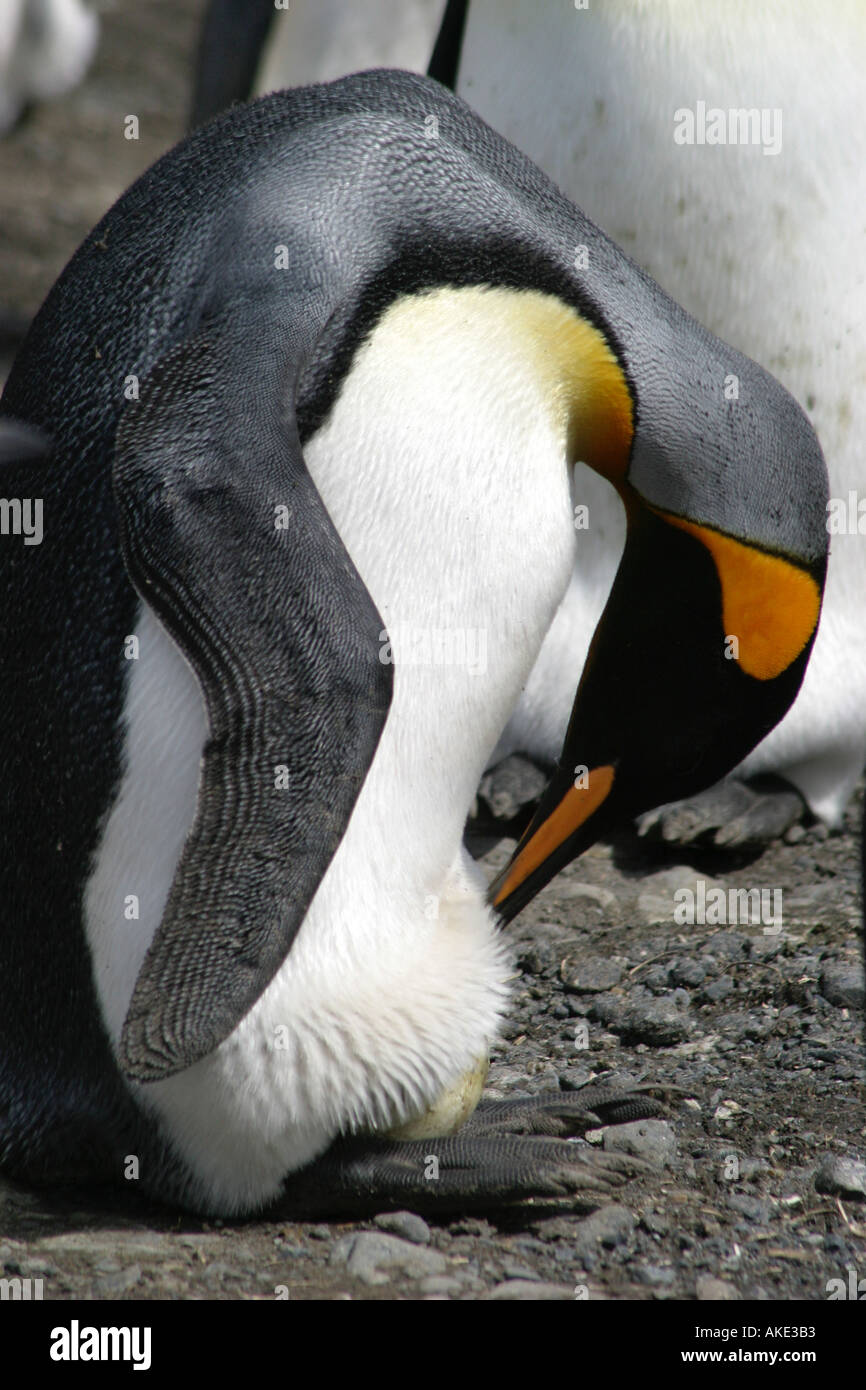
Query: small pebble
{"points": [[376, 1259], [113, 1284], [843, 985], [654, 1276], [841, 1177], [608, 1227], [438, 1285], [653, 1140], [717, 990], [525, 1290], [574, 1078], [320, 1232], [406, 1224], [729, 945], [510, 785], [512, 1269], [712, 1290], [656, 1022], [689, 973], [750, 1207], [590, 976]]}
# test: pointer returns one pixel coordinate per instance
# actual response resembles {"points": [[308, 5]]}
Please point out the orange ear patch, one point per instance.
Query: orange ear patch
{"points": [[769, 604], [576, 806]]}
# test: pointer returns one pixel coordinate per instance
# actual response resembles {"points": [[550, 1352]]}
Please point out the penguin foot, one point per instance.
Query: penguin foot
{"points": [[559, 1115], [507, 1152], [730, 814]]}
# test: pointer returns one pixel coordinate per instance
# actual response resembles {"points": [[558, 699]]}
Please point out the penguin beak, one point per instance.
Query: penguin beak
{"points": [[569, 818], [699, 652]]}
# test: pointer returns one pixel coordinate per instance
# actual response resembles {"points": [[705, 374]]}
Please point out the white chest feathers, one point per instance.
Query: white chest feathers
{"points": [[443, 466]]}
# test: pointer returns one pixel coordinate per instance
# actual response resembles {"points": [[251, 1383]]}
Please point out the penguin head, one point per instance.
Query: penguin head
{"points": [[705, 637], [706, 634]]}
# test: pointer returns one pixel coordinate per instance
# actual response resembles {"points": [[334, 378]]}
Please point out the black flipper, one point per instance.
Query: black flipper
{"points": [[730, 814], [283, 637]]}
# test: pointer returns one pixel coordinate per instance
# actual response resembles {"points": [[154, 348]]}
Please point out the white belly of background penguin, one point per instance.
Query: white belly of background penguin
{"points": [[314, 388]]}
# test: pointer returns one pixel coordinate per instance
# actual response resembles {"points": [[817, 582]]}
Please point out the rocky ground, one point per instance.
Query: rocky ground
{"points": [[69, 160], [756, 1185]]}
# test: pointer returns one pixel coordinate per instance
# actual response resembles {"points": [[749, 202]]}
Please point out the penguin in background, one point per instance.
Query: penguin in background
{"points": [[601, 98], [251, 47], [314, 388], [46, 47]]}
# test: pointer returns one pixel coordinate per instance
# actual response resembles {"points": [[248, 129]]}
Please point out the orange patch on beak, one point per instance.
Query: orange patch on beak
{"points": [[576, 806], [769, 604]]}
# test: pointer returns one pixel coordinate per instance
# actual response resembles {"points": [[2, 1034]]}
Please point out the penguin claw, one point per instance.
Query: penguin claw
{"points": [[563, 1116], [508, 1152], [730, 814]]}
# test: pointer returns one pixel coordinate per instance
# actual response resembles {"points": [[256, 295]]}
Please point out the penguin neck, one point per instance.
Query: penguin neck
{"points": [[444, 465]]}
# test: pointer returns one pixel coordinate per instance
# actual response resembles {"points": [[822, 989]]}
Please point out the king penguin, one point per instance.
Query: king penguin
{"points": [[754, 224], [601, 97], [313, 389]]}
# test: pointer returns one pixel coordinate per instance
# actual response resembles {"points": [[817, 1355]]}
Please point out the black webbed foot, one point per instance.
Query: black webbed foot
{"points": [[730, 814], [564, 1115], [507, 1152]]}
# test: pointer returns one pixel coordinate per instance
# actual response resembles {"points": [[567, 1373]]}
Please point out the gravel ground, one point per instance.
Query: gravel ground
{"points": [[757, 1183], [68, 161]]}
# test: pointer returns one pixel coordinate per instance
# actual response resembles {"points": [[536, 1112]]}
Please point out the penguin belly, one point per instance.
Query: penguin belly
{"points": [[731, 232], [442, 465]]}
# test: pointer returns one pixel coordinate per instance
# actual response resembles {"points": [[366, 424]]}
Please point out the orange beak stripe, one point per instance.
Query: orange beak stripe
{"points": [[576, 806], [769, 604]]}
